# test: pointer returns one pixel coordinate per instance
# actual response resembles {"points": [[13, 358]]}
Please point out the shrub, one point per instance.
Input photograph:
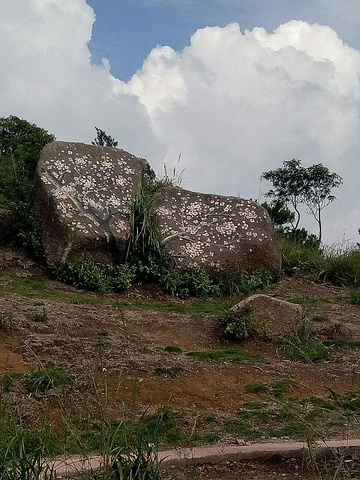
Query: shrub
{"points": [[101, 278], [243, 282], [193, 282], [236, 324]]}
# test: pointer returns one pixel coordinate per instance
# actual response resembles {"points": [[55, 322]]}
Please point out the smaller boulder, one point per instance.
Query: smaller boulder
{"points": [[269, 317]]}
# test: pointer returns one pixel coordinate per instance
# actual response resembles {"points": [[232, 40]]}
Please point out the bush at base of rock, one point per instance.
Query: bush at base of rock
{"points": [[97, 277], [237, 325]]}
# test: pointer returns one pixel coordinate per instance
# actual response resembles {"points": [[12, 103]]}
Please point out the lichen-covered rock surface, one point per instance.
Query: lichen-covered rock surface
{"points": [[84, 196], [269, 316], [215, 232]]}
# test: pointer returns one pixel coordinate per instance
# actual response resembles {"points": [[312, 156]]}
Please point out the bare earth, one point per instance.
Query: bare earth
{"points": [[127, 343]]}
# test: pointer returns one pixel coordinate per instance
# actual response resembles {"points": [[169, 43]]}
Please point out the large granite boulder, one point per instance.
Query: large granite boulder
{"points": [[215, 232], [269, 317], [84, 196]]}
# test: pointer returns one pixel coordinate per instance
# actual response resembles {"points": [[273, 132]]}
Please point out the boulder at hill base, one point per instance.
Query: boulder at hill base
{"points": [[270, 317], [215, 232], [84, 195]]}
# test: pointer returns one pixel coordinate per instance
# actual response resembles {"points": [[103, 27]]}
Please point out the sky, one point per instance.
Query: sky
{"points": [[233, 87]]}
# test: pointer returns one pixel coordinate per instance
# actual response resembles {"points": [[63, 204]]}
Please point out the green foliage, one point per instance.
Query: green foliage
{"points": [[101, 278], [295, 185], [20, 147], [256, 387], [168, 372], [46, 378], [193, 282], [280, 387], [288, 185], [229, 354], [304, 301], [279, 213], [355, 297], [341, 266], [23, 452], [231, 283], [320, 319], [302, 347], [172, 349], [5, 321], [341, 343], [102, 139], [236, 324]]}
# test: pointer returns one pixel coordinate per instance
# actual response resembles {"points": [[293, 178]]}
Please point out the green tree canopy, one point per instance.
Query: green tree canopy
{"points": [[102, 139], [294, 185]]}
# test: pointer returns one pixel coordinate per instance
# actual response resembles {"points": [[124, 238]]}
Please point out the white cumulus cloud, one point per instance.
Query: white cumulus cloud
{"points": [[236, 104], [233, 103]]}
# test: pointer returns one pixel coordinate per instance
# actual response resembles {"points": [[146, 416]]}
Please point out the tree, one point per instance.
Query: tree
{"points": [[294, 185], [102, 139], [20, 145], [288, 185], [279, 213], [319, 183]]}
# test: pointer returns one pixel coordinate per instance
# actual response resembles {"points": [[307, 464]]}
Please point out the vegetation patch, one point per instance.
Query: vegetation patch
{"points": [[5, 321], [341, 343], [101, 278], [355, 297], [47, 378], [306, 349], [229, 355], [237, 325], [257, 387], [172, 349], [320, 319], [168, 372], [40, 317]]}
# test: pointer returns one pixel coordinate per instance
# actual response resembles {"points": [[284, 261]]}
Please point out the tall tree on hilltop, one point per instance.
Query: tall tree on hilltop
{"points": [[288, 186], [294, 185]]}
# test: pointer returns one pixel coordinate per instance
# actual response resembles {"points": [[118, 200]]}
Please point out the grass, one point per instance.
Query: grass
{"points": [[337, 264], [47, 378], [301, 348], [341, 343], [172, 349], [256, 387], [229, 355], [320, 319], [355, 297]]}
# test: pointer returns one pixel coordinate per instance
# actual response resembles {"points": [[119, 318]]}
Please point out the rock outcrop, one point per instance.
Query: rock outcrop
{"points": [[84, 196], [270, 317], [215, 232]]}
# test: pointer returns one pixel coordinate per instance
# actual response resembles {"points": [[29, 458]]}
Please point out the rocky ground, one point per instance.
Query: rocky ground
{"points": [[121, 340]]}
